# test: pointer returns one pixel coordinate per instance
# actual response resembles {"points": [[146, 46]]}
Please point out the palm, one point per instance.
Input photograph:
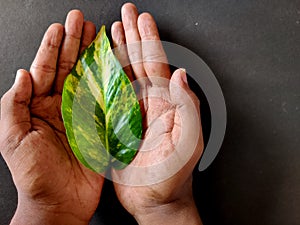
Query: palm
{"points": [[34, 142], [162, 129], [164, 110], [157, 145], [48, 170], [161, 124]]}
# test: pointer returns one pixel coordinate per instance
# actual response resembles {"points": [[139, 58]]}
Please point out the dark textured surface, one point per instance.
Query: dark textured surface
{"points": [[253, 47]]}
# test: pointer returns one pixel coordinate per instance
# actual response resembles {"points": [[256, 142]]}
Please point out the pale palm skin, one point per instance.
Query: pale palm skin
{"points": [[53, 187], [169, 196]]}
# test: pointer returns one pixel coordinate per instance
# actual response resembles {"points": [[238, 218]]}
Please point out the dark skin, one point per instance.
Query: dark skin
{"points": [[53, 187], [48, 177]]}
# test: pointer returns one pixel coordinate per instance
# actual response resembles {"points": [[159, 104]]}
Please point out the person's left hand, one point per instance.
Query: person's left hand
{"points": [[155, 188], [53, 187]]}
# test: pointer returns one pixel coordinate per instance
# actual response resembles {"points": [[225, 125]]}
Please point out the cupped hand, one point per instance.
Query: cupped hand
{"points": [[156, 188], [53, 187]]}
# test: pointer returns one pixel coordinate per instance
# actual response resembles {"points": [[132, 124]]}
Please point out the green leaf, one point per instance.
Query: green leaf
{"points": [[100, 109]]}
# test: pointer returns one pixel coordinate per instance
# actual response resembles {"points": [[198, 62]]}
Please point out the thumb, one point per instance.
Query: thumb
{"points": [[180, 92], [187, 107], [179, 77], [14, 104], [15, 115]]}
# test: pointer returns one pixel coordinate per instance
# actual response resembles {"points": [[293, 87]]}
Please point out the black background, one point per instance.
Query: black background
{"points": [[253, 48]]}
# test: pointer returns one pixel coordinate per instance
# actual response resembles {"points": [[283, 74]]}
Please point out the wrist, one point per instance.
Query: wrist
{"points": [[176, 213], [35, 213]]}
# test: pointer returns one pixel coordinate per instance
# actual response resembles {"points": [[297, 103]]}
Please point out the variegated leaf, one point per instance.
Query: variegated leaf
{"points": [[100, 110]]}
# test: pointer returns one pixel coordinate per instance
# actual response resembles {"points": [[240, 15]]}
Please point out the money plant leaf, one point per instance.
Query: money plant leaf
{"points": [[100, 110]]}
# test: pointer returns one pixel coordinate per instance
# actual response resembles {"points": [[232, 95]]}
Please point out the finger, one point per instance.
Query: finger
{"points": [[180, 93], [14, 104], [43, 68], [129, 19], [88, 35], [70, 47], [187, 118], [120, 49], [154, 57]]}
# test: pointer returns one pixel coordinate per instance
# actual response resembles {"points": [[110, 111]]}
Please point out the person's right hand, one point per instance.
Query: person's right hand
{"points": [[53, 187], [171, 119]]}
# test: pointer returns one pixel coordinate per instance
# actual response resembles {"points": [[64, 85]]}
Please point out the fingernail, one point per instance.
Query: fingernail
{"points": [[183, 75]]}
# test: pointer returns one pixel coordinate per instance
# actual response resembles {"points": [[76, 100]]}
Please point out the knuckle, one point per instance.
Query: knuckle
{"points": [[52, 44], [150, 37], [155, 57], [135, 56], [52, 38], [44, 68], [66, 64]]}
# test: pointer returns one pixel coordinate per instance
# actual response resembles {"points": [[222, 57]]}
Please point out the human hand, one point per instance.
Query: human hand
{"points": [[170, 119], [53, 187]]}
